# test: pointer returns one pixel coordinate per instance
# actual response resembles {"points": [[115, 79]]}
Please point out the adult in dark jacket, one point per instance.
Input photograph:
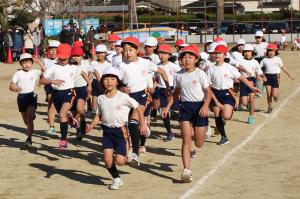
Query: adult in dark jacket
{"points": [[18, 42], [66, 35]]}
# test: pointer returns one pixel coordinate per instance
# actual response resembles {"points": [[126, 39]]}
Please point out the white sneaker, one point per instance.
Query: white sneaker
{"points": [[208, 132], [51, 131], [148, 133], [186, 176], [116, 184], [133, 159]]}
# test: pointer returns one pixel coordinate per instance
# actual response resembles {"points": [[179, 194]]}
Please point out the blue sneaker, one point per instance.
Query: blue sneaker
{"points": [[169, 137], [223, 141], [250, 120]]}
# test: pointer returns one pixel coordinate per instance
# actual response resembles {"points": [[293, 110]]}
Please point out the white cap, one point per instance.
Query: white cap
{"points": [[204, 55], [25, 56], [151, 41], [248, 47], [224, 43], [211, 47], [118, 43], [111, 71], [54, 43], [241, 42], [259, 34], [101, 48]]}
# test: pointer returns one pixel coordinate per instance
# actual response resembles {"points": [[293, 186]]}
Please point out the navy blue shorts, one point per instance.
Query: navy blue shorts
{"points": [[244, 89], [223, 96], [162, 97], [96, 88], [48, 89], [140, 97], [115, 138], [155, 94], [60, 97], [26, 100], [81, 93], [189, 111], [273, 80]]}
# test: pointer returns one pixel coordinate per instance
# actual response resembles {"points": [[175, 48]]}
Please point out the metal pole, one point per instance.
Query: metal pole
{"points": [[291, 20], [205, 21], [177, 19], [233, 28]]}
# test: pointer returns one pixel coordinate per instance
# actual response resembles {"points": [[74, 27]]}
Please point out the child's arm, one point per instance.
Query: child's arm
{"points": [[13, 87], [98, 77], [86, 78], [43, 67], [249, 84], [170, 100], [95, 121], [143, 127], [44, 80], [208, 96], [164, 77], [286, 72]]}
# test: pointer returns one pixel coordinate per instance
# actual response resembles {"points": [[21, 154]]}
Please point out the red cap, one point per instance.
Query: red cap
{"points": [[221, 49], [191, 49], [78, 44], [179, 42], [113, 38], [64, 51], [131, 40], [141, 54], [272, 47], [165, 48], [76, 51], [217, 39]]}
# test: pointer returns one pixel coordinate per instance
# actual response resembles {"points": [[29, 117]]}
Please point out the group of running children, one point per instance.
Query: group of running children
{"points": [[125, 86]]}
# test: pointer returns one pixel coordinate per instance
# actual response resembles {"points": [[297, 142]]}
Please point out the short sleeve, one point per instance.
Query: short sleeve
{"points": [[15, 78], [203, 78], [234, 72], [130, 102], [49, 73], [262, 63], [177, 80], [258, 68], [149, 81], [152, 66], [37, 74], [280, 62]]}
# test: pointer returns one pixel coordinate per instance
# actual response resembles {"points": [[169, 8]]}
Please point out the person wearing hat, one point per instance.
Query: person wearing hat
{"points": [[97, 67], [207, 63], [260, 47], [150, 46], [134, 72], [113, 108], [23, 83], [192, 84], [48, 63], [249, 69], [117, 58], [61, 76], [112, 39], [273, 66], [82, 86], [236, 52], [205, 54], [222, 76], [282, 43]]}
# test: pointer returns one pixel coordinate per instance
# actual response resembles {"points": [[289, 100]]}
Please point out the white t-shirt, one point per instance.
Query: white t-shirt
{"points": [[66, 73], [283, 39], [114, 111], [79, 81], [192, 85], [204, 55], [272, 65], [99, 67], [170, 69], [116, 60], [260, 49], [154, 58], [49, 62], [206, 64], [237, 56], [26, 80], [252, 66], [221, 77], [110, 55], [134, 74]]}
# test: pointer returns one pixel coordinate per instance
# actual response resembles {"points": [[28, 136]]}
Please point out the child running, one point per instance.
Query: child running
{"points": [[23, 82], [252, 68], [61, 77], [112, 110], [192, 84], [273, 65], [221, 76]]}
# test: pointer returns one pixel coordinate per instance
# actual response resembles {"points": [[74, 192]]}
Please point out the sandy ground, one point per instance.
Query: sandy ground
{"points": [[265, 167]]}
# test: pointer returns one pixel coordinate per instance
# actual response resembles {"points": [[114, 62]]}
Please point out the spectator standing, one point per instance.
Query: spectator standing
{"points": [[28, 42], [18, 42]]}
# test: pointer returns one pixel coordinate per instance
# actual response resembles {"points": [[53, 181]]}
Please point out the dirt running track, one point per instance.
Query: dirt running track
{"points": [[261, 161]]}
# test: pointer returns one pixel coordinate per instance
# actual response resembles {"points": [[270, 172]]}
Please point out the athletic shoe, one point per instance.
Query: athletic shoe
{"points": [[27, 144], [133, 159], [169, 137], [63, 144], [270, 109], [51, 131], [142, 150], [78, 134], [186, 176], [250, 120], [223, 141], [116, 184], [193, 154]]}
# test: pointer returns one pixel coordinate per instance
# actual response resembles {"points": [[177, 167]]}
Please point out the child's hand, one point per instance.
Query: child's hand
{"points": [[19, 90], [219, 105], [291, 78], [203, 112], [126, 90], [165, 112], [89, 128], [143, 129], [256, 90], [58, 82]]}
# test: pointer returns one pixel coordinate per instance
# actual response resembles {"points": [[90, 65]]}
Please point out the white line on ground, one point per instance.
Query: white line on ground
{"points": [[221, 162]]}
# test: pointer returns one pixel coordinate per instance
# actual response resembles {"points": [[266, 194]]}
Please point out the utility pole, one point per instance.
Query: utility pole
{"points": [[132, 13], [81, 11], [220, 13]]}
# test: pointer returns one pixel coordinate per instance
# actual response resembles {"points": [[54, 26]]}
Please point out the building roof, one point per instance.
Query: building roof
{"points": [[95, 9]]}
